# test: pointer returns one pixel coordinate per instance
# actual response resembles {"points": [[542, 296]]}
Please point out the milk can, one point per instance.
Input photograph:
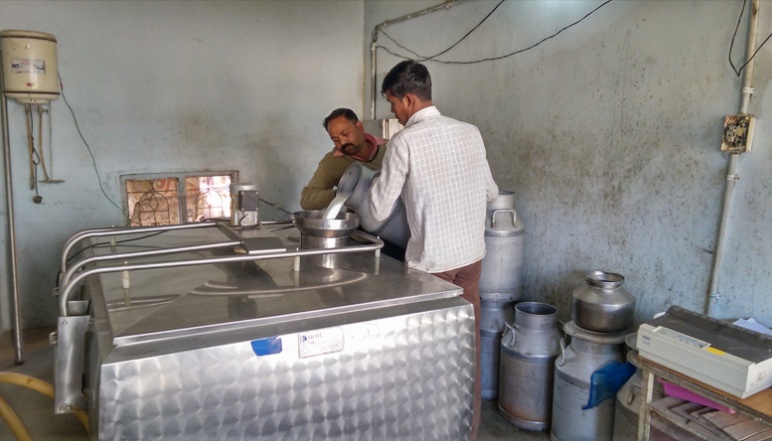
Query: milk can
{"points": [[493, 318], [587, 352], [603, 304], [502, 266], [500, 284], [628, 405], [528, 352], [355, 183]]}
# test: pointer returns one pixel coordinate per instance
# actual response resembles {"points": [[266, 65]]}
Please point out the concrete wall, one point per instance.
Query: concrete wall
{"points": [[174, 86], [609, 135]]}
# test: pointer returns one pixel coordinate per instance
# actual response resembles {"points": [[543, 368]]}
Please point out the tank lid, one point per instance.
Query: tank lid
{"points": [[27, 34]]}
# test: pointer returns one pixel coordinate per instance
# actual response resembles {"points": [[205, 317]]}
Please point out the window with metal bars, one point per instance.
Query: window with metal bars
{"points": [[177, 198]]}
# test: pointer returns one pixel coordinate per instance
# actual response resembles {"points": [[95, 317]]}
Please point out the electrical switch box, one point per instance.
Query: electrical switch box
{"points": [[383, 128], [738, 133]]}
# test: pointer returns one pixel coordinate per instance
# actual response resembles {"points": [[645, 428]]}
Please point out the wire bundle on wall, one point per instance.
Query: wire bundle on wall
{"points": [[731, 44], [422, 58], [93, 160]]}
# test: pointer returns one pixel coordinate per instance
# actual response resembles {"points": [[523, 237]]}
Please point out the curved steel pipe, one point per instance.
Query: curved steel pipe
{"points": [[144, 253], [377, 244], [98, 232]]}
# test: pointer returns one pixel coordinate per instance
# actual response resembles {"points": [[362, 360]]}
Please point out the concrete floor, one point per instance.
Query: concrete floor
{"points": [[35, 410]]}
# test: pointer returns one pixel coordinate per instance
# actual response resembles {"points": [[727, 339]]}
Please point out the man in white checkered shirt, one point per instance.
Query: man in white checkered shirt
{"points": [[437, 165]]}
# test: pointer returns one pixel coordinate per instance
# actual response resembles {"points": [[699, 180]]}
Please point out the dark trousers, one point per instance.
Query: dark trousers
{"points": [[468, 277]]}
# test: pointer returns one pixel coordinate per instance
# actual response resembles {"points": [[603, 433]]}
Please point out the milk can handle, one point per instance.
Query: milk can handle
{"points": [[495, 212], [511, 332], [562, 358]]}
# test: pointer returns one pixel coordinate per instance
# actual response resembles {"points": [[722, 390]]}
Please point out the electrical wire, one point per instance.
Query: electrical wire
{"points": [[275, 206], [425, 58], [499, 57], [102, 244], [93, 160], [731, 44]]}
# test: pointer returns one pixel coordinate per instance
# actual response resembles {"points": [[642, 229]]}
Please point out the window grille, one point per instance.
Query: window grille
{"points": [[175, 198]]}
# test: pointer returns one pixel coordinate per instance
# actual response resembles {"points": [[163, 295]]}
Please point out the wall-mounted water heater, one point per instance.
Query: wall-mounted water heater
{"points": [[29, 66]]}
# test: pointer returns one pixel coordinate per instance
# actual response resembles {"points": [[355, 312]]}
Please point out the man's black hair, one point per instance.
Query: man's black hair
{"points": [[341, 111], [408, 77]]}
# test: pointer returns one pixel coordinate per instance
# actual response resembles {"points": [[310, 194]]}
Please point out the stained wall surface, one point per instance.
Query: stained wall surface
{"points": [[608, 134], [174, 86]]}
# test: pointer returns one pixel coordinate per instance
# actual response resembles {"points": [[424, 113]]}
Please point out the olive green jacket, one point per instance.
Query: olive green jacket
{"points": [[320, 191]]}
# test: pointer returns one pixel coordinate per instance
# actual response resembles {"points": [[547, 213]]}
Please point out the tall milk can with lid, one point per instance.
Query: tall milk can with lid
{"points": [[500, 284], [528, 351]]}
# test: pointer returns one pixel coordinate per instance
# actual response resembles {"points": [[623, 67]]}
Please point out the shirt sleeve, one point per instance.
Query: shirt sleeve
{"points": [[491, 189], [386, 188], [319, 191]]}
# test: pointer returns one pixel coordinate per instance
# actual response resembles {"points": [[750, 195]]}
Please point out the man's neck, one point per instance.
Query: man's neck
{"points": [[368, 153]]}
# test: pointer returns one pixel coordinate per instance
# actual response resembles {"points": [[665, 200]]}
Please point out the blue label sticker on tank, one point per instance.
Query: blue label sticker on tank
{"points": [[266, 346]]}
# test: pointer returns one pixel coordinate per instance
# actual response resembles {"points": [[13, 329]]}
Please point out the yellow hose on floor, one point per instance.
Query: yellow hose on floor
{"points": [[37, 385], [13, 421]]}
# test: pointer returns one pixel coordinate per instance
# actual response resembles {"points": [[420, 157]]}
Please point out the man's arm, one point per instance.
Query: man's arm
{"points": [[320, 190]]}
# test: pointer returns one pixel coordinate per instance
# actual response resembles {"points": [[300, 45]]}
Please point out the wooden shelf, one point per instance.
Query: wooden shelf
{"points": [[757, 407]]}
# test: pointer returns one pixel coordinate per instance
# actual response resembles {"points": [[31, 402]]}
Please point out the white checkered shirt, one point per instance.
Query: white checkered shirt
{"points": [[438, 166]]}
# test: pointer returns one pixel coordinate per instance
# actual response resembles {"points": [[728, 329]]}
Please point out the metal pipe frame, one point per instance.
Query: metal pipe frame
{"points": [[145, 253], [118, 231], [64, 297], [14, 270]]}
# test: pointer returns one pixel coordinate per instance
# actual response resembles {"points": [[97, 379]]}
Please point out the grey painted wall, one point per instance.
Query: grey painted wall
{"points": [[608, 133], [175, 86], [609, 136]]}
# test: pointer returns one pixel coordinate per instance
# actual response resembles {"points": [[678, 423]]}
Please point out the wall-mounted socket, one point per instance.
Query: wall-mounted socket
{"points": [[738, 133]]}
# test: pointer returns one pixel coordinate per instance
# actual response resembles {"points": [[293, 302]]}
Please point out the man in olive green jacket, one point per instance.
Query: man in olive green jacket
{"points": [[352, 144]]}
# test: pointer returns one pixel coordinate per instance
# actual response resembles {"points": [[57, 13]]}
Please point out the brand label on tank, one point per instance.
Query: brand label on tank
{"points": [[24, 65], [320, 341]]}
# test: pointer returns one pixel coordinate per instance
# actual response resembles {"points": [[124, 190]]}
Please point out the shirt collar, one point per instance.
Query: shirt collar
{"points": [[421, 115], [374, 140]]}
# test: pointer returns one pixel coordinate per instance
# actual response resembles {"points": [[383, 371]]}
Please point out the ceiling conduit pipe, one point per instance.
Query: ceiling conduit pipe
{"points": [[13, 270], [731, 173], [447, 4]]}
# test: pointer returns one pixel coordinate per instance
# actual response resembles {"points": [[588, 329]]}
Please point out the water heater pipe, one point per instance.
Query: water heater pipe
{"points": [[731, 173], [447, 4], [14, 271]]}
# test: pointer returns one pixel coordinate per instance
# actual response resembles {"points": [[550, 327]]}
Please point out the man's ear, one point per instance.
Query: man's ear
{"points": [[360, 126], [409, 100]]}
